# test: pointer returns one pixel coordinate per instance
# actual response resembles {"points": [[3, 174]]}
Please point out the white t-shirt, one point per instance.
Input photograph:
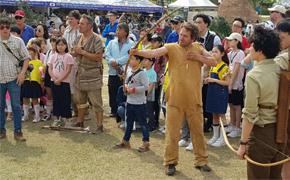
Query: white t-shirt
{"points": [[235, 58]]}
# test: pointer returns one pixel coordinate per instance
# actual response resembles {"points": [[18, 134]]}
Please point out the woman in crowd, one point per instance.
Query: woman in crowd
{"points": [[42, 32]]}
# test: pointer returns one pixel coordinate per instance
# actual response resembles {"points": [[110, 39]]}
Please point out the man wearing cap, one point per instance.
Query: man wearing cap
{"points": [[27, 32], [277, 14], [177, 21], [110, 29], [135, 31]]}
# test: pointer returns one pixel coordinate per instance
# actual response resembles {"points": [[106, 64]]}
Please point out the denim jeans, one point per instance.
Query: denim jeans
{"points": [[14, 92], [150, 113], [137, 112], [121, 112]]}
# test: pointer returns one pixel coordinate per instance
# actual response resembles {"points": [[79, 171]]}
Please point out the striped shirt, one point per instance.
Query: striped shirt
{"points": [[8, 70]]}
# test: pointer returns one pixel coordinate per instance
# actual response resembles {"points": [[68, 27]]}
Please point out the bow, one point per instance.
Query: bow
{"points": [[246, 156], [141, 39]]}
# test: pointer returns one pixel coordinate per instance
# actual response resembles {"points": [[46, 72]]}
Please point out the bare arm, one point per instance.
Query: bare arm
{"points": [[149, 53], [234, 76], [50, 72], [151, 87], [205, 58], [247, 60], [246, 131]]}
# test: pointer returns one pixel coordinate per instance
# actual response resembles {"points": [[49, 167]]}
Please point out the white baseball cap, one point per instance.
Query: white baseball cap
{"points": [[236, 36], [278, 8]]}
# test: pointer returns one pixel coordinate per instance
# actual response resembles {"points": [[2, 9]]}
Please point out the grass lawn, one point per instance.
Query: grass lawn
{"points": [[51, 154]]}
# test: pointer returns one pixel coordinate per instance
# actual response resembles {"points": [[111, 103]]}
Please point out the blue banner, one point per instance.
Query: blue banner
{"points": [[82, 6]]}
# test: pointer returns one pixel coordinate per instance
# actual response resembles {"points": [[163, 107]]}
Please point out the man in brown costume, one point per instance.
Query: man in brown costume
{"points": [[89, 49], [183, 95]]}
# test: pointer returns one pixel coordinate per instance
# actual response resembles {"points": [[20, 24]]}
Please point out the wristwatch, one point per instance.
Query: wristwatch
{"points": [[243, 143]]}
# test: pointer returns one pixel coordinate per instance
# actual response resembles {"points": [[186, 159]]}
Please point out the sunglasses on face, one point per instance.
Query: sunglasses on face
{"points": [[174, 23], [18, 17], [3, 27], [274, 12], [38, 30]]}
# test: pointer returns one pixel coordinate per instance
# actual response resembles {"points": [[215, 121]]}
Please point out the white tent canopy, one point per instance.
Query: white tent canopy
{"points": [[193, 3]]}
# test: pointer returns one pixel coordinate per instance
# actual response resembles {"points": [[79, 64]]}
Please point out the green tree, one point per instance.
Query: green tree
{"points": [[221, 27], [260, 3]]}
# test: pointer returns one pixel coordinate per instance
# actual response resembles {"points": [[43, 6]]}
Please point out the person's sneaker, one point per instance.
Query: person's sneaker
{"points": [[162, 128], [163, 131], [219, 143], [99, 130], [2, 135], [122, 144], [170, 170], [8, 119], [205, 168], [152, 129], [55, 124], [144, 147], [18, 135], [46, 117], [67, 123], [183, 143], [122, 125], [189, 147], [212, 140], [134, 126], [229, 128], [24, 118], [235, 133], [113, 115], [36, 119], [79, 124]]}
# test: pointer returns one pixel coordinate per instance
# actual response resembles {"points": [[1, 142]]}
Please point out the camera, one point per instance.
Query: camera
{"points": [[29, 68]]}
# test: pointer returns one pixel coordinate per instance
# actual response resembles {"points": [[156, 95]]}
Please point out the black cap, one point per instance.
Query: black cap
{"points": [[177, 18], [151, 59], [156, 37]]}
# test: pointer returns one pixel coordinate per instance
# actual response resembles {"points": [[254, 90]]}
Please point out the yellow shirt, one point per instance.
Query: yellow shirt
{"points": [[262, 86], [35, 73], [166, 80], [223, 73], [184, 87], [140, 48], [282, 59]]}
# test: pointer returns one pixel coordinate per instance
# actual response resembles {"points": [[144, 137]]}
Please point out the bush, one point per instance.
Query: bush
{"points": [[221, 27]]}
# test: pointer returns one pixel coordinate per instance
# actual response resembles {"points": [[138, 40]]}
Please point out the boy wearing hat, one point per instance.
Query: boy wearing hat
{"points": [[151, 74], [27, 32], [177, 21]]}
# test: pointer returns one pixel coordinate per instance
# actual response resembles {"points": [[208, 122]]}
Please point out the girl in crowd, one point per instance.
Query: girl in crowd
{"points": [[62, 29], [31, 88], [218, 94], [47, 83], [236, 56], [42, 32], [145, 44], [159, 68], [60, 65]]}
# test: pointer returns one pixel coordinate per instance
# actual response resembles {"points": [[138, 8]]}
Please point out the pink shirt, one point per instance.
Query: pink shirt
{"points": [[59, 65], [234, 58], [42, 57]]}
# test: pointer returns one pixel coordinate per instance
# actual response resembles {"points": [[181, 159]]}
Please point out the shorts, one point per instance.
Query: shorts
{"points": [[236, 98], [81, 99]]}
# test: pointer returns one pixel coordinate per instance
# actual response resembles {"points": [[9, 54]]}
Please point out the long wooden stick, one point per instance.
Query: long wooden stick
{"points": [[141, 39]]}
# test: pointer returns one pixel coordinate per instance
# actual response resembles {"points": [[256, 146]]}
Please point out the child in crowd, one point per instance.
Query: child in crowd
{"points": [[236, 87], [151, 74], [15, 31], [31, 88], [121, 100], [47, 82], [218, 94], [9, 107], [136, 85], [60, 65]]}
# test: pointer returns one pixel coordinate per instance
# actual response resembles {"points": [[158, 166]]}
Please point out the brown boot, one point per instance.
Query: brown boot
{"points": [[205, 168], [19, 136], [2, 135], [79, 124], [144, 147], [99, 130]]}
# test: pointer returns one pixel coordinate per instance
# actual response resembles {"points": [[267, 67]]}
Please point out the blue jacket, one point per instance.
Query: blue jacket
{"points": [[121, 98], [27, 34], [135, 32], [108, 29], [113, 53], [173, 37]]}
